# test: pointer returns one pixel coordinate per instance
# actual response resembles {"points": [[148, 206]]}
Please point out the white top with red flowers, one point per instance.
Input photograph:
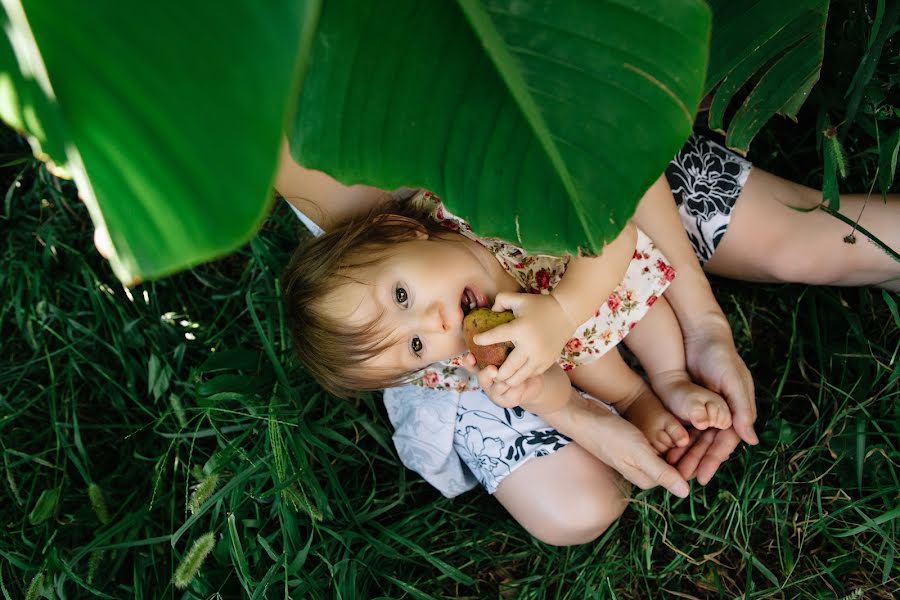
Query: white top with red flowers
{"points": [[647, 276]]}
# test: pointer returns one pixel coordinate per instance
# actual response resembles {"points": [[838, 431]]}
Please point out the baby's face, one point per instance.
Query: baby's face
{"points": [[419, 295]]}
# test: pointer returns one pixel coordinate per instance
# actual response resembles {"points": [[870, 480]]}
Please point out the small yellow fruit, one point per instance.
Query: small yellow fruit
{"points": [[481, 320]]}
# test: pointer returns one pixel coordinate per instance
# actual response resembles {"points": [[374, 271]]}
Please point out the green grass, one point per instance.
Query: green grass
{"points": [[149, 392]]}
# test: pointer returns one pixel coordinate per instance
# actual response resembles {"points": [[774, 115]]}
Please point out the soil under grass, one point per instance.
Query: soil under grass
{"points": [[149, 392]]}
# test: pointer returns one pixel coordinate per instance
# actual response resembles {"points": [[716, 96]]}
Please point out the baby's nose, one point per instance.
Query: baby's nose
{"points": [[436, 318]]}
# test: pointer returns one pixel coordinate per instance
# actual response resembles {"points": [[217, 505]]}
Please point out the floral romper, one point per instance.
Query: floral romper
{"points": [[450, 433], [647, 277]]}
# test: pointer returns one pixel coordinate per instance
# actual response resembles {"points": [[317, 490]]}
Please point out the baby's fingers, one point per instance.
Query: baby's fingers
{"points": [[500, 333], [486, 377], [470, 364], [516, 360]]}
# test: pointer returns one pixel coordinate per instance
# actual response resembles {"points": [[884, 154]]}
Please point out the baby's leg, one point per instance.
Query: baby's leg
{"points": [[569, 497], [656, 341], [609, 379], [769, 240]]}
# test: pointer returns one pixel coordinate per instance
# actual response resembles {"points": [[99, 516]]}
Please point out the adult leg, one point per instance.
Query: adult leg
{"points": [[769, 240], [569, 497]]}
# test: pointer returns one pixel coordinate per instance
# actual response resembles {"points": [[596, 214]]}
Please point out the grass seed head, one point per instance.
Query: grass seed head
{"points": [[202, 492], [98, 503], [190, 564], [178, 409], [300, 502], [36, 588], [94, 565]]}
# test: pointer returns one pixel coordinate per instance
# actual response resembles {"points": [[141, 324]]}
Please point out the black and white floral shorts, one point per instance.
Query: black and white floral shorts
{"points": [[706, 180]]}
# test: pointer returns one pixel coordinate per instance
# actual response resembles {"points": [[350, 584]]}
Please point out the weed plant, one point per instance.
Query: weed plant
{"points": [[160, 442]]}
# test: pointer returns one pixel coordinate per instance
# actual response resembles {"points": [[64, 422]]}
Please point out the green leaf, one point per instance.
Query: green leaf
{"points": [[779, 44], [167, 114], [892, 306], [24, 103], [541, 122], [45, 506], [830, 188], [887, 160]]}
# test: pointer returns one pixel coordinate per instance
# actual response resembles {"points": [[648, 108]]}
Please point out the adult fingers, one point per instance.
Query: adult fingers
{"points": [[668, 477], [737, 387], [726, 440], [675, 454], [687, 465], [653, 471]]}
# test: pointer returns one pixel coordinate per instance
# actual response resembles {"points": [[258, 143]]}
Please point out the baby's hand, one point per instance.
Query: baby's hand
{"points": [[508, 396], [539, 333]]}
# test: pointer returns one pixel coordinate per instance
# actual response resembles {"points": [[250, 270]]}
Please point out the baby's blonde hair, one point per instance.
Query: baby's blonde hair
{"points": [[332, 351]]}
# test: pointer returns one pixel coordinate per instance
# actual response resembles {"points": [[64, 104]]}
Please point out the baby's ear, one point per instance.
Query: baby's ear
{"points": [[411, 228]]}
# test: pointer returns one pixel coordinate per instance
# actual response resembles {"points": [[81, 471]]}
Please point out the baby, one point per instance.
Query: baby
{"points": [[369, 309]]}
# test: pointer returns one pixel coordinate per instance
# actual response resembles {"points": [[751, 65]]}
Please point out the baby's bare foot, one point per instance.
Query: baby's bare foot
{"points": [[691, 402], [661, 428]]}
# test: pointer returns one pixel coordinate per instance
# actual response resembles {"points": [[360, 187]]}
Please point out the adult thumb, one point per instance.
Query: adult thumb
{"points": [[668, 477]]}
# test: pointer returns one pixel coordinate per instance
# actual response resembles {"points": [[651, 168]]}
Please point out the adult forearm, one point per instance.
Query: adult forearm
{"points": [[690, 294], [328, 202], [577, 412]]}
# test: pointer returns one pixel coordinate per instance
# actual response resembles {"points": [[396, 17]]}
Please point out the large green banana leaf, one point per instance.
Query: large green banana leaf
{"points": [[542, 122], [775, 45], [168, 114], [537, 121]]}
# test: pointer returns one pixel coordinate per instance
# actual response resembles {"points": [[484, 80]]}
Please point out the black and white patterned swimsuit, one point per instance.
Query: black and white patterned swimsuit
{"points": [[706, 180], [457, 439]]}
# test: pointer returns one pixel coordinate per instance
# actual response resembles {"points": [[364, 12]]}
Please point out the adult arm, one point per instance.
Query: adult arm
{"points": [[321, 197], [607, 436], [709, 346]]}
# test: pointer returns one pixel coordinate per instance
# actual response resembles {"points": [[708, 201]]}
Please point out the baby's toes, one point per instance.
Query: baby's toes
{"points": [[662, 442], [719, 413], [699, 415], [677, 433]]}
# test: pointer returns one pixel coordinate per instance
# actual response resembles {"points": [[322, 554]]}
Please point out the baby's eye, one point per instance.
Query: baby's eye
{"points": [[416, 345], [401, 295]]}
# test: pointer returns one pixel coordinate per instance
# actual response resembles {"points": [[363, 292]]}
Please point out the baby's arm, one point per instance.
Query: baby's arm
{"points": [[544, 323], [609, 379], [657, 343]]}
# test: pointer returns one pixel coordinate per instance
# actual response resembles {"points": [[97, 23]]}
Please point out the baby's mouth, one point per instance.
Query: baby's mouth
{"points": [[467, 301], [470, 300]]}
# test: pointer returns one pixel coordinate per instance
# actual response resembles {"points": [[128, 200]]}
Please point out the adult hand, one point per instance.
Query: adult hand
{"points": [[713, 361], [616, 442], [623, 447], [704, 455]]}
